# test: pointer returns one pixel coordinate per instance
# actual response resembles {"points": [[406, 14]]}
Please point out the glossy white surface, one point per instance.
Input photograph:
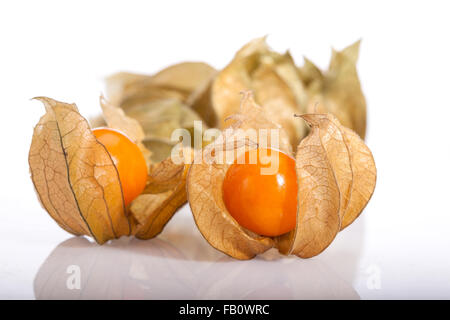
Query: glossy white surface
{"points": [[399, 248], [180, 264]]}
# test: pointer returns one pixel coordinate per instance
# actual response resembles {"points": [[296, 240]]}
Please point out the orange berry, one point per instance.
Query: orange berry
{"points": [[264, 204], [128, 159]]}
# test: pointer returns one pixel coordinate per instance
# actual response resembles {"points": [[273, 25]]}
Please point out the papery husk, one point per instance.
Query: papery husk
{"points": [[200, 102], [186, 77], [318, 219], [336, 151], [165, 191], [364, 176], [337, 90], [164, 194], [176, 81], [160, 119], [160, 102], [274, 80], [74, 175], [205, 180], [161, 148], [115, 118], [79, 186], [252, 116], [336, 177], [217, 226]]}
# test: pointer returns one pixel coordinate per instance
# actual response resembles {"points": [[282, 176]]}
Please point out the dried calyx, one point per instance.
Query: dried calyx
{"points": [[336, 177], [78, 184]]}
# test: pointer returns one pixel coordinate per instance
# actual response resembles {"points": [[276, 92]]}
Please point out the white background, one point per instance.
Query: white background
{"points": [[398, 249]]}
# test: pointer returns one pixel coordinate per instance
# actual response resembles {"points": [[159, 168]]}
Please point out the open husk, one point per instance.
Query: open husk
{"points": [[336, 176], [205, 179], [164, 194], [79, 186]]}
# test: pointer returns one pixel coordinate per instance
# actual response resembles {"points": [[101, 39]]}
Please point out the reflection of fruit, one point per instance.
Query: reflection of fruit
{"points": [[128, 159], [142, 270], [173, 267], [263, 202]]}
